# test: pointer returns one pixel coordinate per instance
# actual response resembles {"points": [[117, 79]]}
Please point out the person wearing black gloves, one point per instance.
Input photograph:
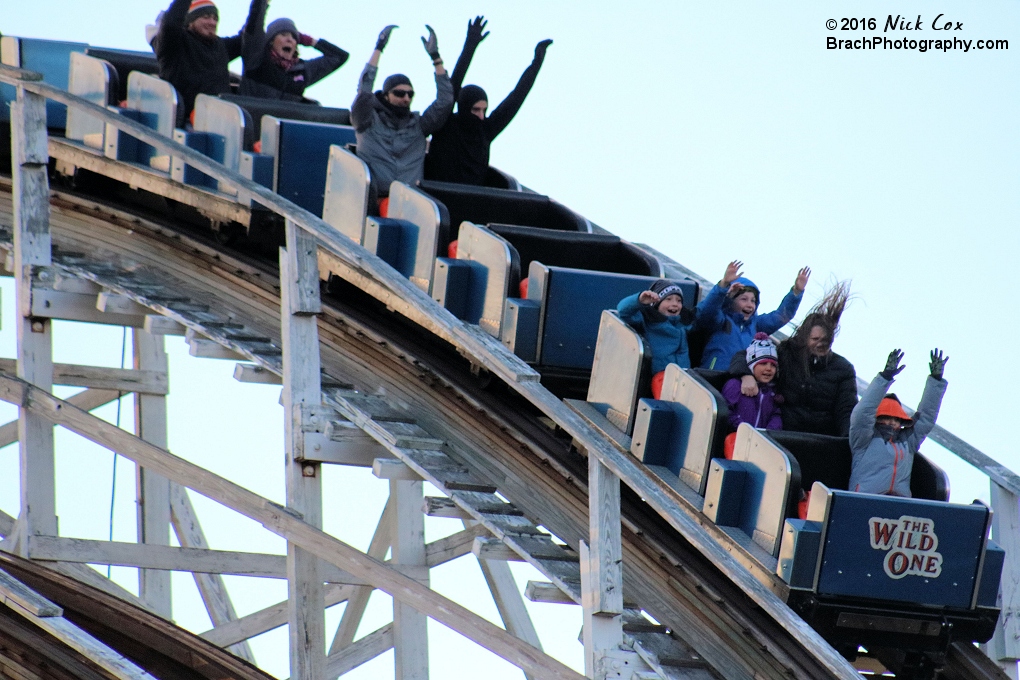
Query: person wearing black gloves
{"points": [[272, 67], [191, 56], [460, 149], [883, 438], [390, 136]]}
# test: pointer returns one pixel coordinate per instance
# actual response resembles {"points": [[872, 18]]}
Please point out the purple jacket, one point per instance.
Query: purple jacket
{"points": [[761, 412]]}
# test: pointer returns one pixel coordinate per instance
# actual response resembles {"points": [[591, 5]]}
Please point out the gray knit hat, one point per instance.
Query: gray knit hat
{"points": [[281, 25], [394, 80]]}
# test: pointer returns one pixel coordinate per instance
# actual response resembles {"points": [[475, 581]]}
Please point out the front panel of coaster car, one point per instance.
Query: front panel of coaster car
{"points": [[903, 578]]}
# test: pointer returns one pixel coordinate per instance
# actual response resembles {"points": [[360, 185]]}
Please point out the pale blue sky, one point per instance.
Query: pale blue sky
{"points": [[712, 131]]}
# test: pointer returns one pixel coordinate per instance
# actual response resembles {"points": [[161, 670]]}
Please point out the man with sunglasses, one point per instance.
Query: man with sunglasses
{"points": [[390, 136]]}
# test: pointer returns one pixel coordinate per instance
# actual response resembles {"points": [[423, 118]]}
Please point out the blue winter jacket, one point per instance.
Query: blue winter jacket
{"points": [[666, 335], [731, 333], [882, 465]]}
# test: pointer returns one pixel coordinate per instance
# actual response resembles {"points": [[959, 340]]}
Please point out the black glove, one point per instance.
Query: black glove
{"points": [[540, 49], [384, 37], [938, 363], [431, 45], [475, 28], [892, 365]]}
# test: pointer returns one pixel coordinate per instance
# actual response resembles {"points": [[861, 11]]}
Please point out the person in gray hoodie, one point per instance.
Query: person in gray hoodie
{"points": [[883, 438], [390, 136]]}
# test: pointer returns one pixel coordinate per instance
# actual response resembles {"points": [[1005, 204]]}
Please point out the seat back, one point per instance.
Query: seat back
{"points": [[485, 248], [124, 62], [94, 80], [619, 372], [345, 202], [413, 206], [697, 433], [218, 117], [301, 157], [278, 108], [151, 95], [51, 58]]}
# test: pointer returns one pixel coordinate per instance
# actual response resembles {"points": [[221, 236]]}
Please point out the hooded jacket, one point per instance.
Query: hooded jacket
{"points": [[730, 331], [393, 142], [264, 78], [761, 411], [883, 464], [666, 335], [819, 393], [191, 64], [459, 151]]}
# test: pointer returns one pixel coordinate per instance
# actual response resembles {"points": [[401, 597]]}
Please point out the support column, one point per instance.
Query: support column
{"points": [[601, 570], [1004, 647], [29, 157], [302, 396], [410, 627], [152, 492]]}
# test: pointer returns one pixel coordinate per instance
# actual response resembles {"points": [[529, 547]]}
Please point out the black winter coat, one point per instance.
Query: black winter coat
{"points": [[819, 401], [192, 65]]}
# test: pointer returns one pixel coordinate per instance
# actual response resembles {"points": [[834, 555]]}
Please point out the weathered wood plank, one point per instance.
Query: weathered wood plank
{"points": [[393, 469], [101, 377], [253, 373], [543, 591], [14, 593], [365, 649], [282, 522], [210, 586], [53, 304], [162, 325], [440, 506], [1006, 532], [85, 400], [410, 626], [603, 593]]}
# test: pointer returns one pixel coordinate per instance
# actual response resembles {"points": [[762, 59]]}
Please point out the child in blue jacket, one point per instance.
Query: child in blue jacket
{"points": [[883, 438], [657, 313], [730, 313]]}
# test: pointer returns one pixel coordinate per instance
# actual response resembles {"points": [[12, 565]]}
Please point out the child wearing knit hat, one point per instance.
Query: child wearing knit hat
{"points": [[883, 438], [659, 315], [762, 410]]}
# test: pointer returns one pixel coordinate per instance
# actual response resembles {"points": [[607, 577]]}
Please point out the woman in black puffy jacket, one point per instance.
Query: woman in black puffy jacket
{"points": [[819, 387]]}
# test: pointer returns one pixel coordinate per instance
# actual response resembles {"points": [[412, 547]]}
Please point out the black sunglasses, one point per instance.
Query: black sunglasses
{"points": [[400, 94]]}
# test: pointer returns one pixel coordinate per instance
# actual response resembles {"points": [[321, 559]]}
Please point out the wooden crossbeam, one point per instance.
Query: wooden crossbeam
{"points": [[280, 521], [102, 378], [168, 558], [357, 653]]}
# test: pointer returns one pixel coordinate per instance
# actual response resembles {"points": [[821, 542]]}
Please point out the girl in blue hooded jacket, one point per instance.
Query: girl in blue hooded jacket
{"points": [[658, 315], [730, 313]]}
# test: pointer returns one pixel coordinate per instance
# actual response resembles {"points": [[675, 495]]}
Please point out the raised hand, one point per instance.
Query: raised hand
{"points": [[802, 278], [892, 365], [475, 28], [938, 363], [541, 47], [306, 40], [384, 37], [732, 273], [431, 44], [647, 297]]}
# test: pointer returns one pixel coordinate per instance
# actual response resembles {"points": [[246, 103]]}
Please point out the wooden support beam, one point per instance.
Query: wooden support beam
{"points": [[441, 506], [1004, 647], [32, 243], [367, 648], [54, 304], [67, 283], [210, 586], [101, 377], [381, 541], [302, 390], [602, 568], [152, 491], [285, 523], [544, 591], [358, 450], [508, 600], [393, 470], [113, 303], [162, 325], [489, 548], [204, 348], [410, 626], [253, 373], [85, 400]]}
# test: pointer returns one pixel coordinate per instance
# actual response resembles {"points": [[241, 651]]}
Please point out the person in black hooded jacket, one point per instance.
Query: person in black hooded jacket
{"points": [[459, 151], [818, 386]]}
